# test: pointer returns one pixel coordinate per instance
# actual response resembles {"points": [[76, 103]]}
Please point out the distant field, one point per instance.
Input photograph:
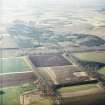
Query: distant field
{"points": [[8, 42], [91, 56], [8, 65], [76, 88], [102, 71]]}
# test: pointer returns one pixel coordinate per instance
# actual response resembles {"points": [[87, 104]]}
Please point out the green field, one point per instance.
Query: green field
{"points": [[76, 88], [102, 71], [91, 56], [8, 65], [11, 94]]}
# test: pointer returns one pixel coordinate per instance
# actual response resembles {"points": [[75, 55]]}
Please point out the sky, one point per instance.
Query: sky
{"points": [[28, 7], [19, 4], [11, 10]]}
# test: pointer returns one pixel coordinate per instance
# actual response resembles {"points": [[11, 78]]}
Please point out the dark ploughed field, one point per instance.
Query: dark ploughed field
{"points": [[48, 60]]}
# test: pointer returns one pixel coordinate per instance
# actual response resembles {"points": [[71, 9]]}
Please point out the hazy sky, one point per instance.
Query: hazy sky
{"points": [[21, 7], [30, 9], [16, 4]]}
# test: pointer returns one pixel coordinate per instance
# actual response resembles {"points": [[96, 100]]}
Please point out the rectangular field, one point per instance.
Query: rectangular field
{"points": [[77, 88], [48, 60], [15, 79], [8, 65], [61, 75], [91, 56], [93, 99]]}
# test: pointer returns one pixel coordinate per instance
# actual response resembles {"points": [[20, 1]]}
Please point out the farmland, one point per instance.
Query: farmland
{"points": [[8, 65], [94, 99], [102, 71], [11, 95], [91, 56], [77, 88], [48, 60]]}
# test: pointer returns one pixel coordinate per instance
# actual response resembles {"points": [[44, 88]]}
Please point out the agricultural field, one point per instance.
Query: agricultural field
{"points": [[43, 101], [91, 56], [10, 95], [25, 42], [48, 60], [93, 99], [8, 42], [76, 88], [18, 64], [102, 71]]}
